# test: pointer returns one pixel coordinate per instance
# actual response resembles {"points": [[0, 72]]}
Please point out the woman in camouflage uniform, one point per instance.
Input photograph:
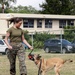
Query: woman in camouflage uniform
{"points": [[15, 47]]}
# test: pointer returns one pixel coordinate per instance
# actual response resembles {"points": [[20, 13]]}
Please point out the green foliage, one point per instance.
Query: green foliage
{"points": [[19, 9], [69, 33], [6, 4], [38, 44], [39, 39], [41, 36], [66, 7], [23, 9], [27, 37]]}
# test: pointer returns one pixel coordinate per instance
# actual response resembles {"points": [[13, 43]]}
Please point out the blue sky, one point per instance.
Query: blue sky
{"points": [[33, 3]]}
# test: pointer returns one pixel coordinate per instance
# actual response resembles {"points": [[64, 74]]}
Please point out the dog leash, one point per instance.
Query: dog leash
{"points": [[30, 55], [30, 52], [39, 70]]}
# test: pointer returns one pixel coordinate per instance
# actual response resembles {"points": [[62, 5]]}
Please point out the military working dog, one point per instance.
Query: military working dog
{"points": [[50, 63]]}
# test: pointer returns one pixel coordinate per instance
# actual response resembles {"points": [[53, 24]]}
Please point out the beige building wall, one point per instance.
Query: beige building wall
{"points": [[3, 27], [55, 22]]}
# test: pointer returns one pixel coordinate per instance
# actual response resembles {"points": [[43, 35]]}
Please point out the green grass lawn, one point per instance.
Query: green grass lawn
{"points": [[67, 69]]}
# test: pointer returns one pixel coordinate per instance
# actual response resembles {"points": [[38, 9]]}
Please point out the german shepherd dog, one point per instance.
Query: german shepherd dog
{"points": [[50, 63]]}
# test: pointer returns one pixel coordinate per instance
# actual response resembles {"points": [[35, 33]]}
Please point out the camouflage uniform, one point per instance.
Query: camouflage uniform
{"points": [[18, 49]]}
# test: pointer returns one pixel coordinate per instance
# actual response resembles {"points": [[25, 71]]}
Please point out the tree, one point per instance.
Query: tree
{"points": [[69, 33], [50, 7], [22, 9], [6, 3], [58, 7]]}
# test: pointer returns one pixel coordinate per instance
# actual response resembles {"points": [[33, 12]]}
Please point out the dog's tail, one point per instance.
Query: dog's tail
{"points": [[68, 60]]}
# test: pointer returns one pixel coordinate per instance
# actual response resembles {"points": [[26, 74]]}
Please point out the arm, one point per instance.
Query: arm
{"points": [[25, 42], [6, 40]]}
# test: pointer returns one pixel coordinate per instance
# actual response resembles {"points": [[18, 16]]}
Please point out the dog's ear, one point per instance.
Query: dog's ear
{"points": [[38, 56]]}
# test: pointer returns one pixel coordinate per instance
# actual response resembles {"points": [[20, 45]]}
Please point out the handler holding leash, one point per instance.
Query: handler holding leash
{"points": [[15, 47]]}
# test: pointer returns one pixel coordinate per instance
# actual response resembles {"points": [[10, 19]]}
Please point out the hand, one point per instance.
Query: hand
{"points": [[31, 48], [10, 47]]}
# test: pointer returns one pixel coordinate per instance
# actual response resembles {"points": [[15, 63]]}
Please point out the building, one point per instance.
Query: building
{"points": [[38, 22]]}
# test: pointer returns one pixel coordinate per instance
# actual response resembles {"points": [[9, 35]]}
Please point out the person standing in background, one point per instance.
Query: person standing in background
{"points": [[15, 47]]}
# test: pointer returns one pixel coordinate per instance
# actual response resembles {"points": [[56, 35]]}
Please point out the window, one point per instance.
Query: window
{"points": [[70, 22], [55, 41], [52, 41], [28, 23], [48, 23], [39, 23], [62, 23], [1, 42]]}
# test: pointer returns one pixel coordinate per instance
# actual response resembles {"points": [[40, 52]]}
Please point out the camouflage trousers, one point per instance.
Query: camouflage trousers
{"points": [[18, 50]]}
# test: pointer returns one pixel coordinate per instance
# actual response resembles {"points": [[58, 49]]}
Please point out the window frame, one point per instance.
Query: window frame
{"points": [[39, 23], [28, 23], [62, 23], [48, 23]]}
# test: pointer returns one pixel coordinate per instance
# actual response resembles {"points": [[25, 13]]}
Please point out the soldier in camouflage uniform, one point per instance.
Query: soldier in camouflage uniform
{"points": [[15, 47]]}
